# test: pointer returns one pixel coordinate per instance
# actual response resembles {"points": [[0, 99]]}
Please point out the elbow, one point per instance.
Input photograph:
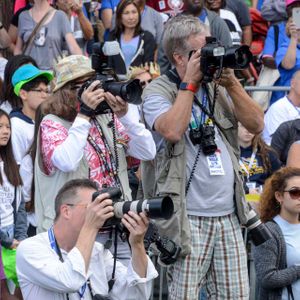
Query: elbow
{"points": [[173, 137], [89, 34]]}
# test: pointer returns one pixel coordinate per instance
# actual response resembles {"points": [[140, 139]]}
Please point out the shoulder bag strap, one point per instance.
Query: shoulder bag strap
{"points": [[28, 44]]}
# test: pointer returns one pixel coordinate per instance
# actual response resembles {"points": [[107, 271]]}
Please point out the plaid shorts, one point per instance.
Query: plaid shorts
{"points": [[218, 261]]}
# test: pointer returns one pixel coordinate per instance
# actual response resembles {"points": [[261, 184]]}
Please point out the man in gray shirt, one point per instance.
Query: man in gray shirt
{"points": [[197, 163], [217, 26]]}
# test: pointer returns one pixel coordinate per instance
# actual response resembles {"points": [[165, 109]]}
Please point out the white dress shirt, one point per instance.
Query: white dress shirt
{"points": [[42, 276]]}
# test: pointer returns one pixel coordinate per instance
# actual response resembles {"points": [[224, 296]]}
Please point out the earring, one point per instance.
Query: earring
{"points": [[278, 204]]}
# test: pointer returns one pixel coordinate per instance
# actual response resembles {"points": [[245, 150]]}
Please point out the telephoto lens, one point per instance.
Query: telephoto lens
{"points": [[258, 231]]}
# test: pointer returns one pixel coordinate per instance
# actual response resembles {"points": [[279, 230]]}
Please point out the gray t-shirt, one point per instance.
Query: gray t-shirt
{"points": [[241, 11], [151, 21], [49, 40], [209, 195]]}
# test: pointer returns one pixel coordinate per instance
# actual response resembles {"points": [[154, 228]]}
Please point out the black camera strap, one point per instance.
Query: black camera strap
{"points": [[111, 168], [174, 77]]}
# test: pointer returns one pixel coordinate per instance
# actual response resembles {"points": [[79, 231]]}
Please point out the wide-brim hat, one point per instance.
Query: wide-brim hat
{"points": [[70, 68], [27, 73]]}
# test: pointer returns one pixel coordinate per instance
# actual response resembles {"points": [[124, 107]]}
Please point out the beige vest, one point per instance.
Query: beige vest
{"points": [[168, 170], [47, 186]]}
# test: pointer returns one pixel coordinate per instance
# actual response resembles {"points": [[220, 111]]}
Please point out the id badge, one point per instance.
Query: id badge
{"points": [[162, 5], [251, 185], [215, 164]]}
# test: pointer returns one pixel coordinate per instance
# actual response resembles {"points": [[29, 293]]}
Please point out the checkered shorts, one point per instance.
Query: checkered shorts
{"points": [[218, 261]]}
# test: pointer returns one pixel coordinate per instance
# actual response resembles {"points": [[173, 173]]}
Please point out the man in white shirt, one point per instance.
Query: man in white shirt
{"points": [[284, 109], [67, 263]]}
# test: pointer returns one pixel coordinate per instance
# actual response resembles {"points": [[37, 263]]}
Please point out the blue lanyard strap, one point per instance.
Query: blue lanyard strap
{"points": [[55, 247], [195, 122]]}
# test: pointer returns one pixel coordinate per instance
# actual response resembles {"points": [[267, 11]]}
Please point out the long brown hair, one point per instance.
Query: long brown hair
{"points": [[263, 150], [269, 206], [11, 168], [63, 103], [119, 28]]}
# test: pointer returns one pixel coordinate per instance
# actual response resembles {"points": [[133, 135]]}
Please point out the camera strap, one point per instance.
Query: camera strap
{"points": [[209, 111], [54, 245], [112, 167]]}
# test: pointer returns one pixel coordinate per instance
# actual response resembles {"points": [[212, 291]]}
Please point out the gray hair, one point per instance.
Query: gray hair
{"points": [[69, 191], [177, 32]]}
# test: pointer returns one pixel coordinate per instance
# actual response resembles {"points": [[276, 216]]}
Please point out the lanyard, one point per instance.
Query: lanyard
{"points": [[111, 168], [242, 164], [194, 118], [296, 108], [55, 247]]}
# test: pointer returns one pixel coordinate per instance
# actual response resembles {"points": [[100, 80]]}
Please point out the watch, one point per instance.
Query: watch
{"points": [[185, 86]]}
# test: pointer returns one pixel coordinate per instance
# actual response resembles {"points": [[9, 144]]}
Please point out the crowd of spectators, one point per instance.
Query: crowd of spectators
{"points": [[218, 146]]}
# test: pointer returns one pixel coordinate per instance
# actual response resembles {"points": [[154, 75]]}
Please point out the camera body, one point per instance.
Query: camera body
{"points": [[204, 136], [155, 208], [214, 57], [130, 91]]}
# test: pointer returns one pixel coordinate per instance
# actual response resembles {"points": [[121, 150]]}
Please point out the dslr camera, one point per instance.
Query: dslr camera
{"points": [[130, 90], [154, 208], [214, 57], [204, 136]]}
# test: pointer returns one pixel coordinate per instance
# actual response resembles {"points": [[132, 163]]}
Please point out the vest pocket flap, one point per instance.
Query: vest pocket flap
{"points": [[225, 123], [175, 149]]}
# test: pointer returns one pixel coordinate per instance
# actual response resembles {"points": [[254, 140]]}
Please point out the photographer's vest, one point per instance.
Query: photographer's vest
{"points": [[47, 186], [169, 167]]}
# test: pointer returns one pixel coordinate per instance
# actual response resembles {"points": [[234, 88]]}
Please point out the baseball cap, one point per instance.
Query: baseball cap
{"points": [[70, 68], [290, 2], [27, 73]]}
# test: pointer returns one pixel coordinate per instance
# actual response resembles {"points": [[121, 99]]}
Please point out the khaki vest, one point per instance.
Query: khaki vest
{"points": [[47, 186], [168, 170]]}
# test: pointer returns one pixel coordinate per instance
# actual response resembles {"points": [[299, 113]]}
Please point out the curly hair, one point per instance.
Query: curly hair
{"points": [[269, 206]]}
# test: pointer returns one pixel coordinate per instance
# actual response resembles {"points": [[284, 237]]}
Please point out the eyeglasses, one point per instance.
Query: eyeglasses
{"points": [[40, 91], [71, 204], [145, 82], [294, 193]]}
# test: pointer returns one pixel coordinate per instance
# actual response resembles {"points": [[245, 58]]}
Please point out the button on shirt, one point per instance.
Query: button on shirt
{"points": [[43, 276]]}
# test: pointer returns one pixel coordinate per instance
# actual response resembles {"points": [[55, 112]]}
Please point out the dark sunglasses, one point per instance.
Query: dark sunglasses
{"points": [[143, 83], [294, 193]]}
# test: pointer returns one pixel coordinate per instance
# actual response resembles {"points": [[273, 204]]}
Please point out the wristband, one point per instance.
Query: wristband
{"points": [[1, 25], [185, 86]]}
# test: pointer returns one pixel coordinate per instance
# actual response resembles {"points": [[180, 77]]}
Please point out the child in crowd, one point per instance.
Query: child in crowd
{"points": [[30, 84], [13, 221]]}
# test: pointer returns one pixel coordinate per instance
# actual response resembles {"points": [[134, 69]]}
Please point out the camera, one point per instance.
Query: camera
{"points": [[214, 57], [155, 208], [204, 136], [258, 231], [169, 251], [130, 90]]}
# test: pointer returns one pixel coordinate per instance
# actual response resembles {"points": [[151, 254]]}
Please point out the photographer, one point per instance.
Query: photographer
{"points": [[66, 263], [77, 144], [205, 185]]}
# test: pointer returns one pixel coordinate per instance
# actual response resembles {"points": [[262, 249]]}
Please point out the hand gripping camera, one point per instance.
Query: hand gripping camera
{"points": [[130, 90], [155, 208], [214, 57]]}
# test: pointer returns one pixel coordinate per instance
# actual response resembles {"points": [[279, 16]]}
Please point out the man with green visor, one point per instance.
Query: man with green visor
{"points": [[31, 85]]}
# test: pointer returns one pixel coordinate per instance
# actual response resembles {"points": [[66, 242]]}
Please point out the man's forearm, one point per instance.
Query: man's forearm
{"points": [[85, 243], [139, 260], [173, 124], [247, 111]]}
